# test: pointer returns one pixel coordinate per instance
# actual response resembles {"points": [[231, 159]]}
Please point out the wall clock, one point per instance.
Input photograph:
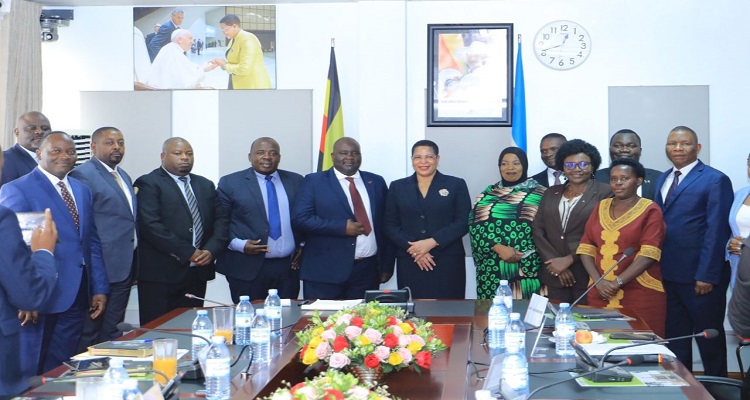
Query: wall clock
{"points": [[562, 45]]}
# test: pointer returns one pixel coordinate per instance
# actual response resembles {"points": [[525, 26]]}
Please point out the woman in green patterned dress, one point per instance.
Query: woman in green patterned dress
{"points": [[500, 230]]}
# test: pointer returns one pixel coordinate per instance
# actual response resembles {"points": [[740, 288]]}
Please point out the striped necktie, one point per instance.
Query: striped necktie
{"points": [[194, 212], [68, 199]]}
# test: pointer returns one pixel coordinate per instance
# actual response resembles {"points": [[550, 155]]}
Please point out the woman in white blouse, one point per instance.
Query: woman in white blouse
{"points": [[739, 220]]}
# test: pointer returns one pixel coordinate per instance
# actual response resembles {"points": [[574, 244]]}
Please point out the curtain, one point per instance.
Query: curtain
{"points": [[20, 66]]}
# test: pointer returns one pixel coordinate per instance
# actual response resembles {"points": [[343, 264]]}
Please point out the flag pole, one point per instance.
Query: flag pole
{"points": [[333, 42]]}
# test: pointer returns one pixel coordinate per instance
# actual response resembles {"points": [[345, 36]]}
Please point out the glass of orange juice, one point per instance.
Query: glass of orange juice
{"points": [[165, 358], [224, 322]]}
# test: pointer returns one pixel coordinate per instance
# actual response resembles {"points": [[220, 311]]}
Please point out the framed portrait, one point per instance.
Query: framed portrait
{"points": [[469, 74]]}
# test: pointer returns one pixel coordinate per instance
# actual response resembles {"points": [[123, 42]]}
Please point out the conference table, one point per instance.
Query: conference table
{"points": [[455, 374]]}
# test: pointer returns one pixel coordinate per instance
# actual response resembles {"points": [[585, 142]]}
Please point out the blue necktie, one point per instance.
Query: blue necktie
{"points": [[274, 217]]}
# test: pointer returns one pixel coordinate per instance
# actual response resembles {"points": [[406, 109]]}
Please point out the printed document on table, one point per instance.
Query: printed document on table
{"points": [[331, 305]]}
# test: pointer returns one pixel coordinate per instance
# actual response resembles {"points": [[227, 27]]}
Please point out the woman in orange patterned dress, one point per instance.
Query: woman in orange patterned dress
{"points": [[616, 224]]}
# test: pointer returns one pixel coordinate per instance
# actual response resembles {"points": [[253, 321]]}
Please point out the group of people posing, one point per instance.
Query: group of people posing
{"points": [[342, 230]]}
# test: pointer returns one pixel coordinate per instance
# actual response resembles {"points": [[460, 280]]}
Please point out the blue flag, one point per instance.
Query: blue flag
{"points": [[519, 104]]}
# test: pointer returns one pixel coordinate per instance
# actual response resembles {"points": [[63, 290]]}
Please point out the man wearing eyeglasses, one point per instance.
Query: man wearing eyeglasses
{"points": [[31, 128], [625, 143]]}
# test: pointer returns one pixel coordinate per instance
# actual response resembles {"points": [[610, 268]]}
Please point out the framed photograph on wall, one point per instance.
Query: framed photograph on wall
{"points": [[469, 74]]}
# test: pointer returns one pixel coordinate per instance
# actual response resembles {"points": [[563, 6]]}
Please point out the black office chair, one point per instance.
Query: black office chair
{"points": [[741, 345], [725, 388]]}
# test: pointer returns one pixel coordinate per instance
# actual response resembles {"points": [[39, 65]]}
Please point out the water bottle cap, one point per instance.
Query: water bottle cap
{"points": [[115, 362], [218, 339], [503, 282], [564, 305], [202, 312], [515, 315], [497, 300], [244, 298], [273, 292], [261, 312]]}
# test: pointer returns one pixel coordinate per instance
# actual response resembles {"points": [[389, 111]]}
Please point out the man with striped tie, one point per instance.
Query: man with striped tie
{"points": [[182, 228]]}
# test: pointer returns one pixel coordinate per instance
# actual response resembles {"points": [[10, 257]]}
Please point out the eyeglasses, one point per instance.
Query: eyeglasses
{"points": [[580, 164], [429, 157]]}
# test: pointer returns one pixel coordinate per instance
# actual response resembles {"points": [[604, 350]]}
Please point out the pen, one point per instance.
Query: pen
{"points": [[302, 303]]}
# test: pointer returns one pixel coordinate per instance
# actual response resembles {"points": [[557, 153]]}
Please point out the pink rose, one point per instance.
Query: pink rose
{"points": [[405, 355], [345, 319], [382, 352], [397, 330], [358, 393], [338, 360], [328, 334], [323, 350], [374, 336], [417, 338], [404, 340], [307, 392], [352, 331]]}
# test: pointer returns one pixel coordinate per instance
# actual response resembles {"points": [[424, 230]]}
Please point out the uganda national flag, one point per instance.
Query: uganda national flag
{"points": [[333, 117]]}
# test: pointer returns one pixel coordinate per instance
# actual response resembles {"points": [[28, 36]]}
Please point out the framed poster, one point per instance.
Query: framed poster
{"points": [[469, 74]]}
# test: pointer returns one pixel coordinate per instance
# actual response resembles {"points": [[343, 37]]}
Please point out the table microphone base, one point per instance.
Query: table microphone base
{"points": [[193, 371]]}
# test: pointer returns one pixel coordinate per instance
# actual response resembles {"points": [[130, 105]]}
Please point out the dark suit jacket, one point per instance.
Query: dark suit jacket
{"points": [[542, 178], [114, 219], [26, 281], [549, 238], [240, 195], [697, 226], [442, 217], [17, 164], [320, 213], [165, 227], [162, 38], [648, 189], [34, 192]]}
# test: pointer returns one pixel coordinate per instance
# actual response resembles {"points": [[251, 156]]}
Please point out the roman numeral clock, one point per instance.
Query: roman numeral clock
{"points": [[562, 45]]}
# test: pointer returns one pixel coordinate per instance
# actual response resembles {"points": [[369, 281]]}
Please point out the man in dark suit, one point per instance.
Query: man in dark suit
{"points": [[114, 217], [20, 159], [50, 333], [164, 35], [548, 147], [625, 143], [340, 212], [182, 227], [263, 246], [27, 279], [151, 35], [695, 199]]}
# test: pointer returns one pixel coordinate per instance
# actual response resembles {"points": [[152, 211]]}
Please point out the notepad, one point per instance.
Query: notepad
{"points": [[331, 305]]}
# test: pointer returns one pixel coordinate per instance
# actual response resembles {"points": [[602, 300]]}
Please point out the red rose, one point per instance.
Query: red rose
{"points": [[340, 343], [391, 320], [357, 321], [333, 394], [297, 386], [424, 359], [390, 340], [302, 353], [372, 361]]}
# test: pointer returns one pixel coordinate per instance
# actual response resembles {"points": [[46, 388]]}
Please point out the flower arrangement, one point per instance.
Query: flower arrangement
{"points": [[331, 385], [372, 335]]}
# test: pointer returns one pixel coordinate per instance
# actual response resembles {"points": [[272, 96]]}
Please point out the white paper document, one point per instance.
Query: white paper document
{"points": [[331, 305], [600, 349]]}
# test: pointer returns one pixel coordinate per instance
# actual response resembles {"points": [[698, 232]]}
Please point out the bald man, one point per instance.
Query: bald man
{"points": [[20, 159]]}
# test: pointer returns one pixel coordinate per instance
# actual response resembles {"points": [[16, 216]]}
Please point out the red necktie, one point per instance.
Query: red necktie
{"points": [[359, 207], [68, 199]]}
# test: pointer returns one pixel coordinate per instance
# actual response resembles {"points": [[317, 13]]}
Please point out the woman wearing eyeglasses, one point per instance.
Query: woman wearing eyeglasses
{"points": [[615, 225], [561, 219], [425, 217]]}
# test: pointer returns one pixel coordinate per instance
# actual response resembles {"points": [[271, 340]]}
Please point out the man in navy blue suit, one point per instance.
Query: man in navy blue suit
{"points": [[262, 253], [20, 159], [625, 143], [164, 35], [49, 334], [27, 279], [695, 200], [114, 215], [340, 212]]}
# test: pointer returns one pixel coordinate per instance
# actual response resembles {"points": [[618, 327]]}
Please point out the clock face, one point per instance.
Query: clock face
{"points": [[562, 45]]}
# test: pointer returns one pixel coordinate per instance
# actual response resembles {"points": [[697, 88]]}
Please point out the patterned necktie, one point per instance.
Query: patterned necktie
{"points": [[673, 186], [557, 177], [359, 207], [194, 212], [68, 199], [274, 217], [118, 180]]}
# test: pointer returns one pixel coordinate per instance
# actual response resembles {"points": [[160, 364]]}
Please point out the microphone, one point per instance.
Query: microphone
{"points": [[707, 334], [171, 386], [627, 253], [41, 380], [632, 361], [192, 296]]}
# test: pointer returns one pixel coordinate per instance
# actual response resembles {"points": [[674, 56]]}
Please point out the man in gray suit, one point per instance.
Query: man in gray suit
{"points": [[263, 253], [114, 205]]}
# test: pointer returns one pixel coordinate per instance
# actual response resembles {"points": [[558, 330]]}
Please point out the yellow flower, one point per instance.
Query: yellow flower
{"points": [[414, 347], [318, 331], [363, 340], [309, 358], [405, 327], [314, 342], [395, 359]]}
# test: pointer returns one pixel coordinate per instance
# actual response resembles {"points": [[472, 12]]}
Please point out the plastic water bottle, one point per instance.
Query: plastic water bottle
{"points": [[131, 391], [506, 294], [515, 335], [114, 379], [202, 327], [515, 373], [217, 370], [565, 331], [260, 338], [273, 313], [243, 319], [483, 395], [497, 323]]}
